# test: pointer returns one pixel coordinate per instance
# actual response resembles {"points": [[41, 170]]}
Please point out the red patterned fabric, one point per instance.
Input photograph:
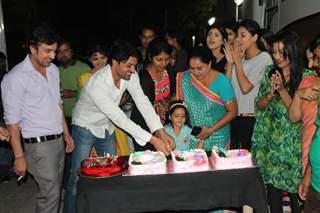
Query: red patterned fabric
{"points": [[162, 87]]}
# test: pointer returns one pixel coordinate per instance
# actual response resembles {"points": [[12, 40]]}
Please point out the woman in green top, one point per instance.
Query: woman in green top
{"points": [[276, 141]]}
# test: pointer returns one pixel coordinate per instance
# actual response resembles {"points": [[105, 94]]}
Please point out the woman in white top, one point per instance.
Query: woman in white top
{"points": [[245, 65]]}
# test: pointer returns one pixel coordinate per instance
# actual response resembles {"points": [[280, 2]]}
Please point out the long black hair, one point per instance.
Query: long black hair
{"points": [[222, 31], [291, 51], [315, 42], [156, 47], [254, 29]]}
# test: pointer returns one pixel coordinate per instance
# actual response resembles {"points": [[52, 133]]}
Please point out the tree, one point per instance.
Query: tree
{"points": [[191, 16]]}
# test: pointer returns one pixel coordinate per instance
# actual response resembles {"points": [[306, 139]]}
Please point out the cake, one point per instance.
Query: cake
{"points": [[101, 166], [231, 159], [194, 160], [147, 163]]}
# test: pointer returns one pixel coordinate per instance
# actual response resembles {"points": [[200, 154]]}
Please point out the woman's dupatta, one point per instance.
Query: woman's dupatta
{"points": [[200, 88]]}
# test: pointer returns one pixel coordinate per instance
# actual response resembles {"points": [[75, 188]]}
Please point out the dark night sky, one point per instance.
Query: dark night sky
{"points": [[84, 22]]}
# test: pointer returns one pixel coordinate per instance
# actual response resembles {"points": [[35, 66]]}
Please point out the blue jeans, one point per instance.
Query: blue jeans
{"points": [[84, 140]]}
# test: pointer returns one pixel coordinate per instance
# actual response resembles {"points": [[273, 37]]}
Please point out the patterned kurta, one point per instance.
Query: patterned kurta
{"points": [[206, 106], [276, 142]]}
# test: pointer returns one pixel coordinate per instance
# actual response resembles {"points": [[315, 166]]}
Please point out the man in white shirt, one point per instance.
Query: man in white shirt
{"points": [[97, 112]]}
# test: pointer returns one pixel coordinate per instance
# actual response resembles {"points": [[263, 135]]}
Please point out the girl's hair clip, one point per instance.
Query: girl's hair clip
{"points": [[177, 104]]}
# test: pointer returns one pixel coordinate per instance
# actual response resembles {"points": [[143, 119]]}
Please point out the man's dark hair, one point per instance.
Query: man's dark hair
{"points": [[120, 51], [147, 27], [63, 41], [173, 33], [43, 34]]}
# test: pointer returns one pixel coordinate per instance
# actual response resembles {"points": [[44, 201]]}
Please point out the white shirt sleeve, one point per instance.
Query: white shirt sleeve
{"points": [[257, 69], [143, 104], [98, 93]]}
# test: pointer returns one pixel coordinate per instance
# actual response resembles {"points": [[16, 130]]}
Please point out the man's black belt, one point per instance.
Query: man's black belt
{"points": [[41, 139]]}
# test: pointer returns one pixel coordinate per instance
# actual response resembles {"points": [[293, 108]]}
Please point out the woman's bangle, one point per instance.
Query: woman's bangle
{"points": [[19, 157]]}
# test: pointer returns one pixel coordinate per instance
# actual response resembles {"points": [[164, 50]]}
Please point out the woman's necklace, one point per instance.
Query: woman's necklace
{"points": [[155, 75]]}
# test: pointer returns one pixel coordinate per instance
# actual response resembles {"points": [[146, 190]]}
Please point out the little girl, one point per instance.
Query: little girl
{"points": [[177, 125]]}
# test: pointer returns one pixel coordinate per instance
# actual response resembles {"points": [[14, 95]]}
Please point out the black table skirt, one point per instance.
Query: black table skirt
{"points": [[188, 191]]}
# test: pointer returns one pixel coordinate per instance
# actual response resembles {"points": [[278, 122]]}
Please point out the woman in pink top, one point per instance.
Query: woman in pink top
{"points": [[157, 83]]}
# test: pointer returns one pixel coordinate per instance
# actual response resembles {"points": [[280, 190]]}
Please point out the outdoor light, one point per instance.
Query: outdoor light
{"points": [[211, 20], [193, 40], [238, 2]]}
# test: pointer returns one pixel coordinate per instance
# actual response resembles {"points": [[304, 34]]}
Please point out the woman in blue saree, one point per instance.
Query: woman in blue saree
{"points": [[209, 97]]}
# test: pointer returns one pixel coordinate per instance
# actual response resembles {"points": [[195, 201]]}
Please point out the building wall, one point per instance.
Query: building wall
{"points": [[301, 16], [251, 9], [3, 47], [292, 10], [288, 11]]}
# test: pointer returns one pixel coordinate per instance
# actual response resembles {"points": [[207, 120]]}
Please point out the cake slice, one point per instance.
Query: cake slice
{"points": [[194, 160], [231, 159], [147, 163]]}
